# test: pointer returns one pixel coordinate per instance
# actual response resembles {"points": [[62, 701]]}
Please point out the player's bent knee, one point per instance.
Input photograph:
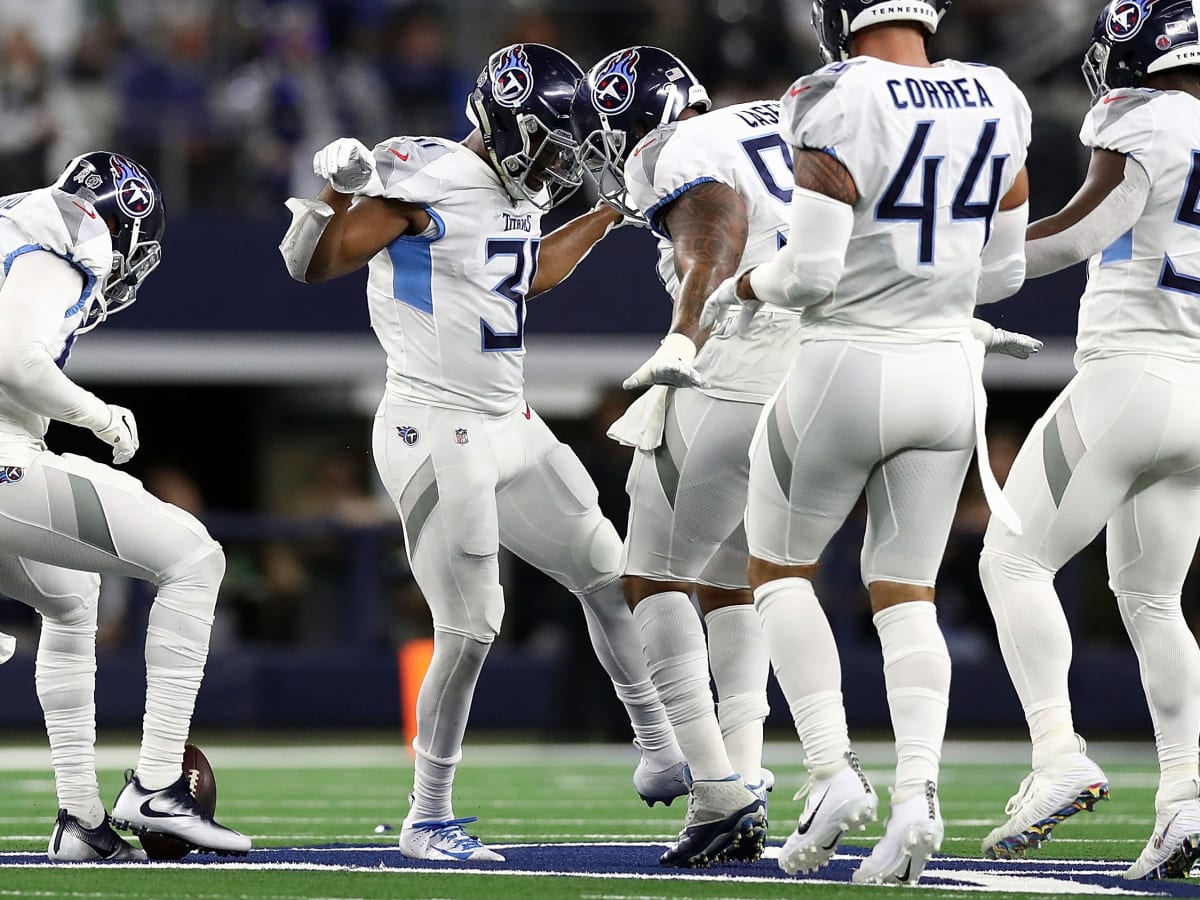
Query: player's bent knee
{"points": [[995, 566], [596, 554]]}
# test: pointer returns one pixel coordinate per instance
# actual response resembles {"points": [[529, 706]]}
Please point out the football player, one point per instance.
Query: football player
{"points": [[909, 205], [75, 253], [1120, 447], [452, 237]]}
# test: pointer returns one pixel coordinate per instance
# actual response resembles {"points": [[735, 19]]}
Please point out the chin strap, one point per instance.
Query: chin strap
{"points": [[310, 218]]}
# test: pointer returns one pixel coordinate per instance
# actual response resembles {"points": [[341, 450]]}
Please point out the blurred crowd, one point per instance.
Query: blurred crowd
{"points": [[226, 100]]}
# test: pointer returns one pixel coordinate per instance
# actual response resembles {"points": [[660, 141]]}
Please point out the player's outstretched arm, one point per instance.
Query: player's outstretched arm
{"points": [[566, 246], [1108, 204], [38, 288], [708, 225], [1003, 263]]}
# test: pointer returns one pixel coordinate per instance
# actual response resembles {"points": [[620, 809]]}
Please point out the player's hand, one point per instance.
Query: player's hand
{"points": [[718, 303], [121, 434], [671, 364], [1007, 343], [347, 164]]}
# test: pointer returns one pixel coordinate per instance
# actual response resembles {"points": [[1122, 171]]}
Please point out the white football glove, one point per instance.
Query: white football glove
{"points": [[1008, 343], [121, 434], [347, 164], [671, 364], [721, 300]]}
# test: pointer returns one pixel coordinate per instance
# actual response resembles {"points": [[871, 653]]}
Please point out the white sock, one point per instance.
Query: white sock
{"points": [[1036, 643], [673, 641], [176, 651], [916, 670], [443, 706], [618, 647], [66, 688], [737, 654], [805, 658], [1170, 664]]}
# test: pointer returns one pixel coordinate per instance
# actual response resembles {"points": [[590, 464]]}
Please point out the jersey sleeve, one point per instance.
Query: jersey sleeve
{"points": [[67, 226], [813, 112], [402, 170], [664, 166], [1124, 122]]}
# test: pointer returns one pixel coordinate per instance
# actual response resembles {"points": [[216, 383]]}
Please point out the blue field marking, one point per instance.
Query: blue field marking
{"points": [[640, 861]]}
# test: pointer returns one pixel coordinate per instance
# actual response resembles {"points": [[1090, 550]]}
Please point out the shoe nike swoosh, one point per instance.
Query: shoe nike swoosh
{"points": [[834, 842], [803, 828], [1159, 839], [147, 809], [461, 855], [907, 871]]}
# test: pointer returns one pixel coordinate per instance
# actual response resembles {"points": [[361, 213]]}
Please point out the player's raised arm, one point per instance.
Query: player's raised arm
{"points": [[339, 232], [565, 247], [1111, 199]]}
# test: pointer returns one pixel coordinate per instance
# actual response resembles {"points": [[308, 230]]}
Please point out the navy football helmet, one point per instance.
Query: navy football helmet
{"points": [[129, 202], [1136, 38], [522, 106], [835, 21], [623, 97]]}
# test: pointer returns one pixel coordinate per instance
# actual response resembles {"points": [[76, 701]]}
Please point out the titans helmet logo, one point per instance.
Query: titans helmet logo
{"points": [[135, 197], [512, 79], [1125, 19], [613, 91]]}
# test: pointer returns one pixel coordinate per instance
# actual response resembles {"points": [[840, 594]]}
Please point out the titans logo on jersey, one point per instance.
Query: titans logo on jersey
{"points": [[512, 82], [614, 88]]}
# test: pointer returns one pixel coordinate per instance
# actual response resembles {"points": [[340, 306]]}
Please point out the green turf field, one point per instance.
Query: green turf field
{"points": [[313, 794]]}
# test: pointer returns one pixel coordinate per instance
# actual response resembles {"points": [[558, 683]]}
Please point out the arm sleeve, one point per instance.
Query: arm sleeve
{"points": [[809, 267], [1113, 216], [31, 304], [1003, 270]]}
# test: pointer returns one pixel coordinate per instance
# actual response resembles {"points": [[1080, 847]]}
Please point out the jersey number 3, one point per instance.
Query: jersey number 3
{"points": [[512, 287], [924, 213], [1189, 214]]}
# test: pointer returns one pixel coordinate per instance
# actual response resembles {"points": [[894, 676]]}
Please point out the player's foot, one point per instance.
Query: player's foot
{"points": [[913, 833], [764, 786], [725, 822], [173, 811], [70, 841], [444, 840], [1174, 847], [661, 785], [835, 805], [1054, 792]]}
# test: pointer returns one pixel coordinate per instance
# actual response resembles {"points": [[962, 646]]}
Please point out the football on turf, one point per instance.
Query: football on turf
{"points": [[203, 786]]}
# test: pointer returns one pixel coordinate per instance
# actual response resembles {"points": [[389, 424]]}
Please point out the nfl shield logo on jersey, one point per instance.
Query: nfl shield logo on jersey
{"points": [[460, 435], [408, 434]]}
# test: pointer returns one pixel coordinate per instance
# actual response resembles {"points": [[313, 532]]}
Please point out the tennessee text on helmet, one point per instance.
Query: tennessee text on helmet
{"points": [[835, 21], [521, 105], [128, 200]]}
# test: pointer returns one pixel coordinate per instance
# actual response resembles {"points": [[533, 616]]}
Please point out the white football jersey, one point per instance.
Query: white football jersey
{"points": [[448, 305], [63, 224], [1143, 292], [932, 151], [739, 146]]}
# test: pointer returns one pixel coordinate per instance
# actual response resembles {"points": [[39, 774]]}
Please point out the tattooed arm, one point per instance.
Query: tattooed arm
{"points": [[708, 226]]}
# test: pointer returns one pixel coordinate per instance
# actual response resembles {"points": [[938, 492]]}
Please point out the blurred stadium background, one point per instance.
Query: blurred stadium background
{"points": [[254, 394]]}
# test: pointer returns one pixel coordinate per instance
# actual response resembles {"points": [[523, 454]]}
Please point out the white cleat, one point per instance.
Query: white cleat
{"points": [[764, 786], [661, 785], [173, 812], [835, 805], [913, 833], [1059, 789], [445, 840], [71, 841], [1174, 848]]}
